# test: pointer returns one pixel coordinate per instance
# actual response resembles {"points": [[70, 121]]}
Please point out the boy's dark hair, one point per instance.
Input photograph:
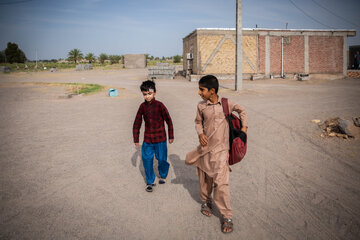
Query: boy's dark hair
{"points": [[146, 85], [209, 81]]}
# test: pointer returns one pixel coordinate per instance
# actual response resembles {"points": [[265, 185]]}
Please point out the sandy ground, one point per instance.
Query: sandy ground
{"points": [[69, 169]]}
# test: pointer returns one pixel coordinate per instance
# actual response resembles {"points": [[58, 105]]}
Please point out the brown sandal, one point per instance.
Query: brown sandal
{"points": [[227, 223], [206, 209]]}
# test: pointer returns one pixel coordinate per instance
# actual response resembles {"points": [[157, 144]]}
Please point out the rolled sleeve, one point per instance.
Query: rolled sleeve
{"points": [[241, 111]]}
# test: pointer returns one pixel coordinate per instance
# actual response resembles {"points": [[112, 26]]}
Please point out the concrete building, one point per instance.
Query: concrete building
{"points": [[266, 51], [135, 61]]}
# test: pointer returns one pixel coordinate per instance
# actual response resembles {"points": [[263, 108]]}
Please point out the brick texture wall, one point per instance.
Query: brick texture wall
{"points": [[353, 73], [294, 55], [275, 55], [325, 54], [261, 54]]}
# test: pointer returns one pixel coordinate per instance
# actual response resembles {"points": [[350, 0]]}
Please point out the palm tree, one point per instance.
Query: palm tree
{"points": [[75, 55], [90, 57]]}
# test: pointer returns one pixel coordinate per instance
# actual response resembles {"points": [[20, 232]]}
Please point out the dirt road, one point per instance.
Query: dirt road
{"points": [[69, 169]]}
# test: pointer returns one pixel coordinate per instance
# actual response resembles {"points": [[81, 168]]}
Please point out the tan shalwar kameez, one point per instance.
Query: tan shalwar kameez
{"points": [[212, 160]]}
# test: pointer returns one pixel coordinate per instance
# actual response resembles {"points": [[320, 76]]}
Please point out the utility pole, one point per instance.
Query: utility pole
{"points": [[238, 64], [36, 66]]}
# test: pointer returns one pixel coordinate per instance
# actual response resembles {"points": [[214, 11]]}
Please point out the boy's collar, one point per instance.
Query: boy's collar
{"points": [[208, 102], [153, 100]]}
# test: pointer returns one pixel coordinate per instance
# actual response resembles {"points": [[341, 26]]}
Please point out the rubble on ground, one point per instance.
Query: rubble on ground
{"points": [[338, 127], [356, 121]]}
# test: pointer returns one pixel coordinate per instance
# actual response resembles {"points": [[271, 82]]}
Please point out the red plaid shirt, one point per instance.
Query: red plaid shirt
{"points": [[154, 113]]}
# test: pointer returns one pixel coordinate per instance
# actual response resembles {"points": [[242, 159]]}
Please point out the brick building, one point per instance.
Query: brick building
{"points": [[266, 51]]}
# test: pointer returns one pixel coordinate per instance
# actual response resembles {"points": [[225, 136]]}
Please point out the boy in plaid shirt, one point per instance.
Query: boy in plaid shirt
{"points": [[154, 113]]}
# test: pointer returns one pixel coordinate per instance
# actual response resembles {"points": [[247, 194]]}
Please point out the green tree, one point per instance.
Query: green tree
{"points": [[103, 57], [75, 55], [90, 57], [14, 54], [114, 58], [177, 58], [2, 56]]}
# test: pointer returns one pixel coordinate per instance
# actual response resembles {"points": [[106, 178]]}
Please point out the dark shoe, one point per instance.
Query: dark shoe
{"points": [[206, 209], [149, 187], [162, 181], [227, 224]]}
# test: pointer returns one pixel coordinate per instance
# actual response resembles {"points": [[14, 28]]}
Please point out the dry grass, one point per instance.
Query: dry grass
{"points": [[74, 88]]}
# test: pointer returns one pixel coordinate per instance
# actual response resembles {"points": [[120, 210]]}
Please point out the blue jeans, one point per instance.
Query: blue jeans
{"points": [[160, 150]]}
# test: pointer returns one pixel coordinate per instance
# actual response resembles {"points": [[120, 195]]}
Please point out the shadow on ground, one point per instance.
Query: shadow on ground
{"points": [[185, 175], [137, 157]]}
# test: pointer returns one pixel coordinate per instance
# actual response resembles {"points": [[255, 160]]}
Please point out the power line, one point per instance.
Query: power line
{"points": [[14, 2], [309, 15], [335, 14]]}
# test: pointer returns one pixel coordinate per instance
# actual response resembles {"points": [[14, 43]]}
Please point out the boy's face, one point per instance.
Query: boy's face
{"points": [[149, 95], [205, 93]]}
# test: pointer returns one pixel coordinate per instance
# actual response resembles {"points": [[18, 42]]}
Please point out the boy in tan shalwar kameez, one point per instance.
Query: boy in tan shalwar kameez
{"points": [[211, 156]]}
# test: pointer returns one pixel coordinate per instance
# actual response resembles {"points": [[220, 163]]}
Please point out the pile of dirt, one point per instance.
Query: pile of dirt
{"points": [[338, 127]]}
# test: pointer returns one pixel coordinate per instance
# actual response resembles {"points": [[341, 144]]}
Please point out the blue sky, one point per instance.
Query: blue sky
{"points": [[53, 28]]}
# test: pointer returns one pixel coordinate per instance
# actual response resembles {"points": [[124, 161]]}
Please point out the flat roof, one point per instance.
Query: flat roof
{"points": [[351, 32], [279, 29]]}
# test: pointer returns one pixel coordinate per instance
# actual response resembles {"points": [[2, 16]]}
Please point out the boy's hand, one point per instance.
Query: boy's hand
{"points": [[171, 141], [203, 139], [136, 144], [244, 129]]}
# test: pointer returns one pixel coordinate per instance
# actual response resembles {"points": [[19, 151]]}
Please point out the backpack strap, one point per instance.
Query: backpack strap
{"points": [[225, 105]]}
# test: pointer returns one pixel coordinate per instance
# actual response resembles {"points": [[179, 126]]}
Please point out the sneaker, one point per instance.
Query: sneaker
{"points": [[162, 181], [149, 187]]}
